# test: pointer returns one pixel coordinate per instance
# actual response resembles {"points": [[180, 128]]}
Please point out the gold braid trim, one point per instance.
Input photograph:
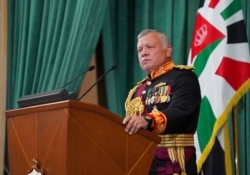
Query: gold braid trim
{"points": [[175, 144], [133, 106], [178, 155]]}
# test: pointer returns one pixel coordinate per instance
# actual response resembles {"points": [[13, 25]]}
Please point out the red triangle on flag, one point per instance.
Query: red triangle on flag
{"points": [[204, 34]]}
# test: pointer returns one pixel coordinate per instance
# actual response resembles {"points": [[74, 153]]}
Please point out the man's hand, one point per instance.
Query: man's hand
{"points": [[134, 124]]}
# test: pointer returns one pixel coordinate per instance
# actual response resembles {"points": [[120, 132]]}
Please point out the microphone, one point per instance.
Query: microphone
{"points": [[50, 96], [90, 68], [110, 69]]}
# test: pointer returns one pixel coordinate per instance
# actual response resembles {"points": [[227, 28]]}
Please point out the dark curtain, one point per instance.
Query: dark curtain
{"points": [[50, 42]]}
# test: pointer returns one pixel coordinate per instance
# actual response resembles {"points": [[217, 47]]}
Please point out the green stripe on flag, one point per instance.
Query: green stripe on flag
{"points": [[231, 9], [206, 123], [202, 58]]}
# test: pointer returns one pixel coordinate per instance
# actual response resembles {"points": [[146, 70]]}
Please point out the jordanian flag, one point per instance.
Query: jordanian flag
{"points": [[220, 55]]}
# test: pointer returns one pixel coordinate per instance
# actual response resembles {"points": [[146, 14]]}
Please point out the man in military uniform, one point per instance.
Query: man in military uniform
{"points": [[166, 102]]}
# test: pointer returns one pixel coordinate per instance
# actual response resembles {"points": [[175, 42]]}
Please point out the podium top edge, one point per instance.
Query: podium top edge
{"points": [[73, 104], [50, 106]]}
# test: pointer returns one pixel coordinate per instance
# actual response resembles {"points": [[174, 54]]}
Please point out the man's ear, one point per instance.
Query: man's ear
{"points": [[169, 51]]}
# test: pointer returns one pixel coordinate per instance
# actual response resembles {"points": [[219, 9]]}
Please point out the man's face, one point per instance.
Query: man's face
{"points": [[151, 52]]}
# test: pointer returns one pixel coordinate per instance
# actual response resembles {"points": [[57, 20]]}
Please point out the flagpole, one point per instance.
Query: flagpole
{"points": [[236, 140]]}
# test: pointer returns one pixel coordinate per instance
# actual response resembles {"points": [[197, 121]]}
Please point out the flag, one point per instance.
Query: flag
{"points": [[220, 54]]}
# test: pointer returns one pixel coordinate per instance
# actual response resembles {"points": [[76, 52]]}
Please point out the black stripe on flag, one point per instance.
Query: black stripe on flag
{"points": [[236, 33], [215, 162]]}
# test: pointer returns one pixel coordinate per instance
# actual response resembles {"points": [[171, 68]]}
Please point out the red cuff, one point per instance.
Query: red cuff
{"points": [[160, 121]]}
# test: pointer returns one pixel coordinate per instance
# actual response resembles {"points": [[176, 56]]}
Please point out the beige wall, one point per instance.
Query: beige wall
{"points": [[3, 75], [89, 80]]}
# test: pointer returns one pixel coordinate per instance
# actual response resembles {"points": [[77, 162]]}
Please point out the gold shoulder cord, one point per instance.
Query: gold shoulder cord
{"points": [[134, 106]]}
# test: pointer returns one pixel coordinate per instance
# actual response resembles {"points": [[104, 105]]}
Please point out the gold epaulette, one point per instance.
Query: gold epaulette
{"points": [[186, 67]]}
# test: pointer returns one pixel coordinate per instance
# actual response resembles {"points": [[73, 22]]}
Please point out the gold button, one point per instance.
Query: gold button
{"points": [[149, 83]]}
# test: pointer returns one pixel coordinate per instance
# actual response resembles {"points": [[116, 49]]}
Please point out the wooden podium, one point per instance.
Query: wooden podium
{"points": [[74, 138]]}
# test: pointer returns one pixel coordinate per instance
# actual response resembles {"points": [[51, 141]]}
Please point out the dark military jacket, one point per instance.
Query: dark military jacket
{"points": [[177, 95]]}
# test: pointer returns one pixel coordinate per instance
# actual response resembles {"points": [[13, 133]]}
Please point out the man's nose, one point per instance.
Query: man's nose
{"points": [[144, 52]]}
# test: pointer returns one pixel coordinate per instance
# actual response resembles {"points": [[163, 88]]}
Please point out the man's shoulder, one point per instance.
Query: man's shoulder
{"points": [[182, 71], [183, 67]]}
